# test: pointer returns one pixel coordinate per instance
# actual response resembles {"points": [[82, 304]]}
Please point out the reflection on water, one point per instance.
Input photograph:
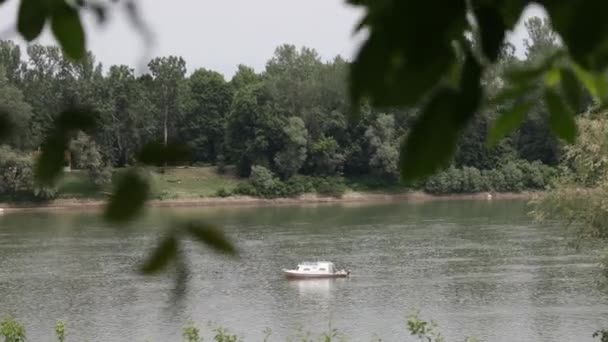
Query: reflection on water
{"points": [[477, 268], [316, 288]]}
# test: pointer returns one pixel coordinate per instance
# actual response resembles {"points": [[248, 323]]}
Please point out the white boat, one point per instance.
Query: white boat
{"points": [[318, 269]]}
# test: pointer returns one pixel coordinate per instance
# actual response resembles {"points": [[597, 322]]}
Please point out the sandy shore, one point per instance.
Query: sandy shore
{"points": [[349, 197]]}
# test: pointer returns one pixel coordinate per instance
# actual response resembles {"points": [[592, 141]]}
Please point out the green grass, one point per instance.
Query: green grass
{"points": [[375, 184], [173, 183], [76, 184], [192, 182]]}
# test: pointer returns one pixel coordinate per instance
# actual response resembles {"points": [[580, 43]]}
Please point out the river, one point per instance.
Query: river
{"points": [[478, 268]]}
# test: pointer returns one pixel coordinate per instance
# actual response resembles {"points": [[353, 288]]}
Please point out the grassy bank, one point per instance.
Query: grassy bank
{"points": [[201, 186]]}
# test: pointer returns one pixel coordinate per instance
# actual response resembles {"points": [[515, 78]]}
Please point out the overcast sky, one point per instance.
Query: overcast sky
{"points": [[219, 35]]}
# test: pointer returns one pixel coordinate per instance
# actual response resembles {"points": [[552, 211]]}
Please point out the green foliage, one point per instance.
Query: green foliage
{"points": [[60, 331], [165, 252], [223, 335], [510, 177], [11, 330], [291, 157], [129, 197], [191, 333], [384, 143]]}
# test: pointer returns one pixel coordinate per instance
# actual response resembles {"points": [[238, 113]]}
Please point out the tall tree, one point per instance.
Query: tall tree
{"points": [[203, 125], [168, 85]]}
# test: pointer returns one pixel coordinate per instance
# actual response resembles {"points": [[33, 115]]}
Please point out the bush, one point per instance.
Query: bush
{"points": [[511, 177], [223, 193], [245, 189], [11, 330]]}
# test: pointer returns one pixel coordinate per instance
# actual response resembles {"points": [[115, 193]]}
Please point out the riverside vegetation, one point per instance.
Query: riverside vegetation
{"points": [[288, 129], [425, 331], [447, 94]]}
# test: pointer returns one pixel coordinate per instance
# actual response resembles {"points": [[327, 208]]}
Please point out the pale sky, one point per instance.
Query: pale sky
{"points": [[221, 34]]}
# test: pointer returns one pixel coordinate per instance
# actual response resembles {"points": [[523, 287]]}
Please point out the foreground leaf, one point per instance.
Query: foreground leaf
{"points": [[68, 30], [74, 119], [492, 28], [31, 18], [432, 141], [51, 160], [507, 122], [561, 118], [211, 236], [162, 255], [128, 199], [158, 154], [571, 88], [6, 126]]}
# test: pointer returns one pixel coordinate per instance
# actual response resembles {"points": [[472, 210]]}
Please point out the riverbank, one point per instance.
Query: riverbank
{"points": [[306, 199]]}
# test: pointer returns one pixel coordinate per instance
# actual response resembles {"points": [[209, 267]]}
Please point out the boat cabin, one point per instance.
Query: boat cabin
{"points": [[317, 267]]}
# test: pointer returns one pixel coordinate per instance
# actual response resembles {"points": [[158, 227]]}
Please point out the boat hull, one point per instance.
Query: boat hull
{"points": [[302, 275]]}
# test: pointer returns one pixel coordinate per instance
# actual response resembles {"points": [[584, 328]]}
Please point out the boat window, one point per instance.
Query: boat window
{"points": [[322, 269], [307, 269]]}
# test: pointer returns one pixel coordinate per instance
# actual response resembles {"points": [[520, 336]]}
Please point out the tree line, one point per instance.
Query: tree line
{"points": [[294, 117]]}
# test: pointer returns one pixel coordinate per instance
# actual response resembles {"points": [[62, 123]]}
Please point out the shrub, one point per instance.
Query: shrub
{"points": [[330, 186], [262, 178], [60, 331], [223, 193], [11, 330], [245, 189]]}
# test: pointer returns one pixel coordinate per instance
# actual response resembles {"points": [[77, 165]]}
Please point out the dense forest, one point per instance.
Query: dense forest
{"points": [[292, 119]]}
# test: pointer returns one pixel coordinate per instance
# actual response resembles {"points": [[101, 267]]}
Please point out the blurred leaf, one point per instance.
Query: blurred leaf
{"points": [[432, 141], [595, 83], [6, 125], [74, 119], [163, 254], [396, 65], [552, 77], [128, 199], [158, 154], [583, 28], [507, 122], [571, 88], [532, 73], [51, 159], [211, 236], [511, 93], [68, 30], [31, 18], [561, 118], [492, 28]]}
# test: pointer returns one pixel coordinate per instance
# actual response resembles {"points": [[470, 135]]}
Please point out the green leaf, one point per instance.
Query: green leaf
{"points": [[561, 118], [128, 199], [68, 30], [595, 83], [396, 65], [507, 122], [51, 159], [583, 28], [74, 119], [163, 254], [492, 28], [211, 236], [432, 141], [532, 73], [571, 88], [158, 154], [31, 18], [6, 125], [511, 93]]}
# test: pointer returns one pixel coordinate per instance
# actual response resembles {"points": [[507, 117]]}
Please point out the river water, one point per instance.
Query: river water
{"points": [[478, 268]]}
